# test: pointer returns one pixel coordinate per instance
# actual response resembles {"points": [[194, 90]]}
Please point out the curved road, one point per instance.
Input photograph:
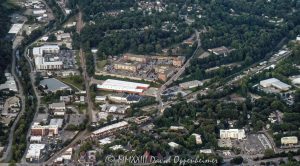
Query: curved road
{"points": [[7, 154]]}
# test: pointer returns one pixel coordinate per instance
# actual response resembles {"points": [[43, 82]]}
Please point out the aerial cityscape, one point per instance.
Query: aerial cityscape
{"points": [[149, 82]]}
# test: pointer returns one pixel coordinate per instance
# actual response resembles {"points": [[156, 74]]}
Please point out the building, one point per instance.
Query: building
{"points": [[48, 130], [39, 12], [135, 58], [141, 119], [63, 36], [198, 138], [50, 49], [232, 134], [219, 50], [134, 67], [45, 58], [191, 84], [15, 29], [65, 99], [178, 61], [292, 140], [10, 83], [35, 139], [177, 128], [57, 122], [124, 98], [123, 86], [58, 108], [34, 152], [53, 85], [206, 151], [273, 82], [99, 99], [165, 73], [107, 130], [105, 141], [173, 145]]}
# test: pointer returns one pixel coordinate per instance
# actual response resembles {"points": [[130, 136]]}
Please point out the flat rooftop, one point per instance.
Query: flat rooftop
{"points": [[54, 84], [118, 85], [15, 28]]}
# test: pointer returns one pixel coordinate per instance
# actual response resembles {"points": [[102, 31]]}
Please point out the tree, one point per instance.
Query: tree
{"points": [[52, 38], [237, 160], [269, 153]]}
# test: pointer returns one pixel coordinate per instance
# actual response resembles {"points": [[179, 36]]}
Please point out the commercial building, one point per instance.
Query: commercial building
{"points": [[191, 84], [48, 130], [135, 58], [232, 134], [57, 122], [53, 85], [134, 67], [292, 140], [34, 152], [198, 138], [273, 82], [107, 130], [45, 58], [58, 108], [39, 51], [123, 86], [99, 99], [124, 98]]}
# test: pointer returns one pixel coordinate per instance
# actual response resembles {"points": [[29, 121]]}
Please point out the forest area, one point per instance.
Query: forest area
{"points": [[5, 46]]}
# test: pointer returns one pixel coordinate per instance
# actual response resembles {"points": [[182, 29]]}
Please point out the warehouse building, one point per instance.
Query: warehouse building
{"points": [[123, 86], [232, 134], [191, 84], [107, 130], [273, 82], [15, 29], [292, 140]]}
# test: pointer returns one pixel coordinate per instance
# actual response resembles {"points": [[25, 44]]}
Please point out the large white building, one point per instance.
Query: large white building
{"points": [[232, 134], [34, 152], [47, 63], [15, 29], [292, 140], [275, 83], [123, 86]]}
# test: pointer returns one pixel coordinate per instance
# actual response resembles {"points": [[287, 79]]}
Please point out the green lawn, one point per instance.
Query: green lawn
{"points": [[101, 64], [75, 81]]}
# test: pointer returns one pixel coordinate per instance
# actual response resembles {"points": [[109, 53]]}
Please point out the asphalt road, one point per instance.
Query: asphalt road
{"points": [[7, 154]]}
